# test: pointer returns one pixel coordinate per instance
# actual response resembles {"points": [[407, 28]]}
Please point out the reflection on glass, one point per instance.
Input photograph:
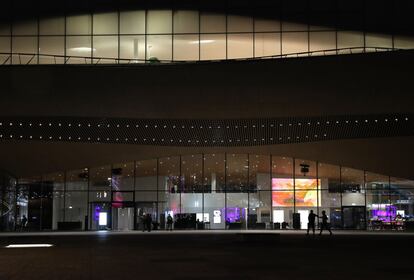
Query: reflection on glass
{"points": [[159, 47], [186, 47], [213, 46]]}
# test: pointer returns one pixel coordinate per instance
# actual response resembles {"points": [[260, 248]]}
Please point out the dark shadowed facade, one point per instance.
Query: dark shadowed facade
{"points": [[224, 115]]}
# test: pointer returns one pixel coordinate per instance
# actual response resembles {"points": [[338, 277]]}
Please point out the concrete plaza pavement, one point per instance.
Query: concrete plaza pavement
{"points": [[208, 255]]}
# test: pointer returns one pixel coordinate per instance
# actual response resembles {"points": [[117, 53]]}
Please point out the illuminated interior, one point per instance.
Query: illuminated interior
{"points": [[183, 35]]}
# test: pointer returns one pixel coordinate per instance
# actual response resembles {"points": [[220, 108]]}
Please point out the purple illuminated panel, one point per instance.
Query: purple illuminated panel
{"points": [[96, 212], [386, 214], [234, 214], [117, 197]]}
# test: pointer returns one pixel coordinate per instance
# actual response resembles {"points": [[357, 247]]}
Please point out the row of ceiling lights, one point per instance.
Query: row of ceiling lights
{"points": [[153, 139], [210, 127]]}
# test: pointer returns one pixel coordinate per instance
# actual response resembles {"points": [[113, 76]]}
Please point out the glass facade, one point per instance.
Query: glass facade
{"points": [[10, 201], [139, 36], [208, 191]]}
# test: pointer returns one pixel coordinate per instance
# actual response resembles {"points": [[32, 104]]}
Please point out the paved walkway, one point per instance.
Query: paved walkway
{"points": [[203, 232], [207, 255]]}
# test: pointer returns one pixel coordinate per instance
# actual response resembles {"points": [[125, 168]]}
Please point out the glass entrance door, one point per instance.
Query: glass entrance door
{"points": [[123, 218], [100, 213], [354, 217]]}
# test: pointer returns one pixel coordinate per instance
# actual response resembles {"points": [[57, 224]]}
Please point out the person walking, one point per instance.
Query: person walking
{"points": [[325, 224], [148, 221], [311, 222], [23, 223], [169, 222], [143, 221]]}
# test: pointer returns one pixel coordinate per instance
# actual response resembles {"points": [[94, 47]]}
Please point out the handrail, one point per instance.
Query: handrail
{"points": [[30, 57]]}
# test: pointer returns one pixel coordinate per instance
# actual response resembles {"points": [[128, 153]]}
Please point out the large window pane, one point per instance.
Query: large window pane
{"points": [[52, 26], [403, 42], [353, 198], [100, 178], [294, 26], [4, 28], [105, 46], [169, 174], [214, 209], [76, 207], [213, 46], [259, 173], [159, 22], [259, 192], [380, 212], [294, 42], [78, 25], [186, 47], [214, 165], [237, 172], [4, 48], [146, 203], [239, 24], [132, 22], [146, 175], [191, 174], [123, 177], [192, 211], [212, 23], [378, 40], [350, 39], [353, 189], [159, 47], [267, 44], [306, 191], [105, 23], [329, 177], [236, 211], [57, 180], [266, 25], [402, 197], [51, 45], [240, 45], [186, 22], [78, 46], [27, 27], [58, 208], [132, 47], [282, 192], [322, 41], [77, 180], [26, 47], [170, 187], [259, 212]]}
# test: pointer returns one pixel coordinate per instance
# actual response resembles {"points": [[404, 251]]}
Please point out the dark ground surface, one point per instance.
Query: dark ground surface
{"points": [[189, 255]]}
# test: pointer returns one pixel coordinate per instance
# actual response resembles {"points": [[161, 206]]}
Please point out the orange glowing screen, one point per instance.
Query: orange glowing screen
{"points": [[306, 192]]}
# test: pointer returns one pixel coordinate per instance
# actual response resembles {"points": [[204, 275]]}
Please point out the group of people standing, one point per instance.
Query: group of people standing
{"points": [[146, 221], [324, 224]]}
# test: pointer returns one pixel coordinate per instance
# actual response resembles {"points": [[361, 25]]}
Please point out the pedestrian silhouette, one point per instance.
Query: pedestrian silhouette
{"points": [[143, 221], [169, 222], [23, 223], [325, 224], [148, 221], [311, 222]]}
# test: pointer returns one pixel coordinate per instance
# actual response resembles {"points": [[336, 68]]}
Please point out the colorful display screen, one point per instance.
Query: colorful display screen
{"points": [[305, 192]]}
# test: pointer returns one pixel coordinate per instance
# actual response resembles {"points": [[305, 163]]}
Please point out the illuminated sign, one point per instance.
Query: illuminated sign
{"points": [[217, 216], [103, 218], [199, 216], [305, 193]]}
